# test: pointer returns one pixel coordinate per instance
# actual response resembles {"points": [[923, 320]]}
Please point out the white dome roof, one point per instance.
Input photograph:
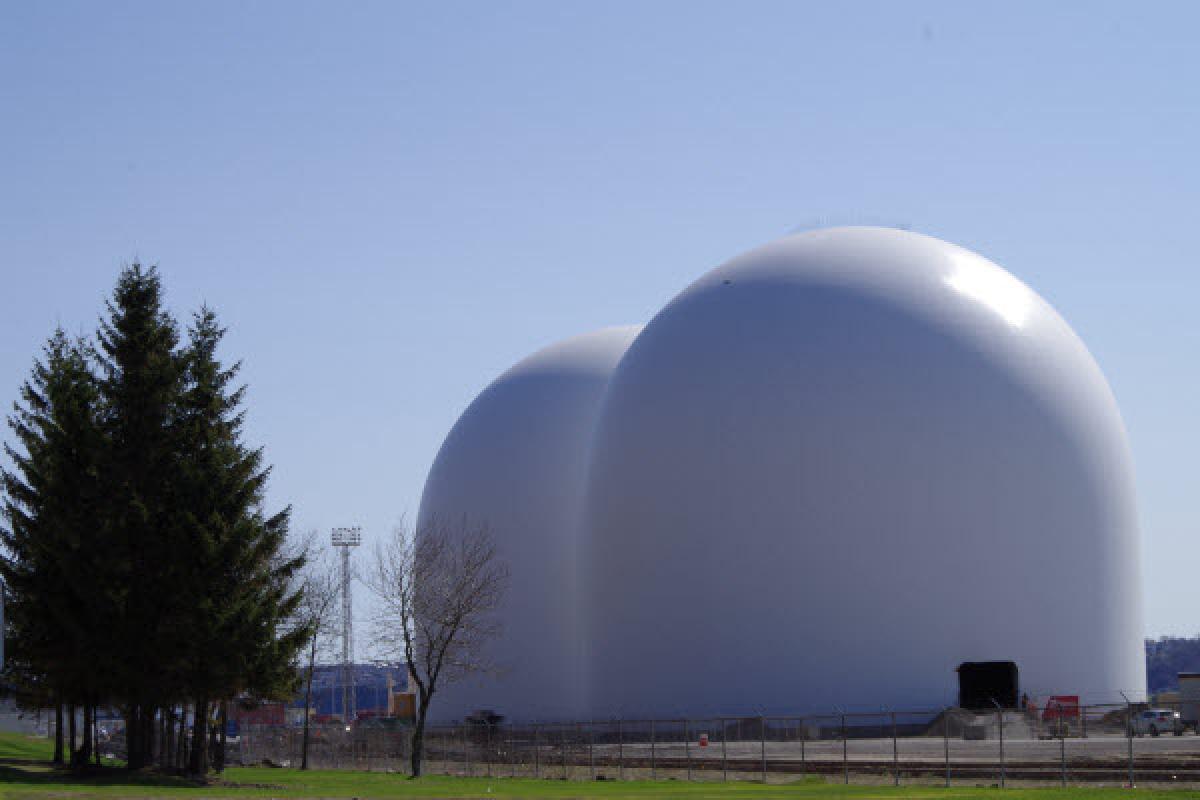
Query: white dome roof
{"points": [[516, 460], [836, 467]]}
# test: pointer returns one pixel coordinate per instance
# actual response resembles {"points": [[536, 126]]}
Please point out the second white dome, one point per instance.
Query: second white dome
{"points": [[838, 466]]}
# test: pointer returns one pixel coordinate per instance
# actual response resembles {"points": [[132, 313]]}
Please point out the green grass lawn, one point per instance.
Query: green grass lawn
{"points": [[21, 779], [19, 746]]}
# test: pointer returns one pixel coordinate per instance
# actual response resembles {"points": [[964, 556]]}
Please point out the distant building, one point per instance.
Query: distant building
{"points": [[376, 688]]}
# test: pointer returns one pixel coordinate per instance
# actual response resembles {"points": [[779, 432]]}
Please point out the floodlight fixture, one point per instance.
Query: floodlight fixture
{"points": [[347, 537]]}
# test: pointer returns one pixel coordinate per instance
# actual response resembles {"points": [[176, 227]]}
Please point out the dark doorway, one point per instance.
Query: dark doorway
{"points": [[982, 682]]}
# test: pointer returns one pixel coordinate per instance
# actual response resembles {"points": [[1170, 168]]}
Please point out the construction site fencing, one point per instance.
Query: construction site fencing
{"points": [[1111, 744]]}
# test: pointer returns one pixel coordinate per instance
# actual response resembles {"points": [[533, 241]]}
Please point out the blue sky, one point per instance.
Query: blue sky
{"points": [[390, 203]]}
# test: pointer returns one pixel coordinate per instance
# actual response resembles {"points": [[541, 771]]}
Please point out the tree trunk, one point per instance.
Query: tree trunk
{"points": [[223, 722], [181, 752], [307, 705], [210, 729], [81, 757], [199, 761], [418, 740], [132, 747], [163, 750], [136, 745], [89, 732], [418, 743], [148, 735], [71, 733], [168, 757], [58, 731]]}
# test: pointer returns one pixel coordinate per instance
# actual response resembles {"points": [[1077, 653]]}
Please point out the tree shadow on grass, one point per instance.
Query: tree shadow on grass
{"points": [[43, 774]]}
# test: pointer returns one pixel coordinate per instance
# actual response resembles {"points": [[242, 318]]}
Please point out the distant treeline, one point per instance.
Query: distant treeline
{"points": [[1167, 657]]}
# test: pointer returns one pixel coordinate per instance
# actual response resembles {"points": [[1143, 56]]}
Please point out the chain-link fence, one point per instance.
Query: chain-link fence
{"points": [[330, 746], [1110, 744]]}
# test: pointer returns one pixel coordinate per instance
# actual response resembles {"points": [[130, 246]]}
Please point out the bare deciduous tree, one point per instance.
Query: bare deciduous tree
{"points": [[438, 587], [318, 612]]}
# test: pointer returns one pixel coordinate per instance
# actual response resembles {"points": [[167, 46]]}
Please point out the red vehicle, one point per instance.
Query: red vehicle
{"points": [[1061, 707], [263, 714]]}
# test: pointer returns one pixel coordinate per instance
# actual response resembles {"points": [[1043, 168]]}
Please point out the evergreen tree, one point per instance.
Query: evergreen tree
{"points": [[236, 578], [140, 568], [57, 602], [141, 382]]}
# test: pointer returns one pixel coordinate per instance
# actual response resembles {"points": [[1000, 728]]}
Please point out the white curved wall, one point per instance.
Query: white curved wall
{"points": [[839, 465], [517, 459]]}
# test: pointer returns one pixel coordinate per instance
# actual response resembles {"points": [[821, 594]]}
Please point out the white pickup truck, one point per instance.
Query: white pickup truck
{"points": [[1157, 720]]}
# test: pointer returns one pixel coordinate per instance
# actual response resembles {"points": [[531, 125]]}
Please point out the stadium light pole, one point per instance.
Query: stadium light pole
{"points": [[346, 538]]}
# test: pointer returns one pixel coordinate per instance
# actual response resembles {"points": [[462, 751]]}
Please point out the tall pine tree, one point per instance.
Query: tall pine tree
{"points": [[58, 604], [141, 569], [141, 381], [235, 576]]}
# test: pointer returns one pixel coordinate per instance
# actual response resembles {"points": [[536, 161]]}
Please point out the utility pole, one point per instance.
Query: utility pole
{"points": [[345, 538]]}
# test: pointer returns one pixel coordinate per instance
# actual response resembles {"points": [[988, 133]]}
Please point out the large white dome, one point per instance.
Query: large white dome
{"points": [[838, 466], [516, 460]]}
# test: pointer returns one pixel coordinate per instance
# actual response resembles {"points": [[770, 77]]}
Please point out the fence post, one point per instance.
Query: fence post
{"points": [[1062, 756], [895, 754], [762, 738], [803, 737], [687, 747], [467, 750], [512, 750], [537, 755], [620, 751], [1128, 732], [488, 753], [592, 748], [724, 751], [946, 742], [653, 764], [845, 753], [566, 774], [1000, 715], [1131, 752]]}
